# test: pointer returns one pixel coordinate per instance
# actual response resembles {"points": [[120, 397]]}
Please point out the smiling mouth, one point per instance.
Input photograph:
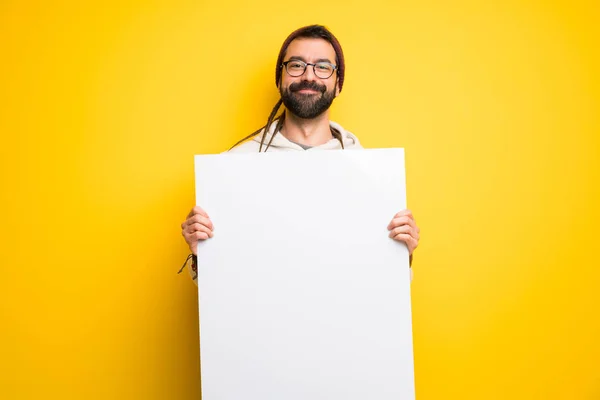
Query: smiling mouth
{"points": [[307, 91]]}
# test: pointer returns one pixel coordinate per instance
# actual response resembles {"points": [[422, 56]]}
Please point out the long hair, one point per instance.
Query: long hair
{"points": [[309, 32]]}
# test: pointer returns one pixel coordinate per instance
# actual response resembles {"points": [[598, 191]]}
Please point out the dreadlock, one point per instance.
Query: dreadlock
{"points": [[265, 128]]}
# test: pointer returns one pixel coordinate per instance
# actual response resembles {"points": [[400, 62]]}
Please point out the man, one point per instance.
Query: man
{"points": [[309, 74]]}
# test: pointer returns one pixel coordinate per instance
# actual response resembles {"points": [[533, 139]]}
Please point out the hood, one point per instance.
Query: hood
{"points": [[280, 142]]}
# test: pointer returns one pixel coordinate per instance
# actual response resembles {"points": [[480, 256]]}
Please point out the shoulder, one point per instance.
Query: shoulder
{"points": [[249, 146], [350, 140]]}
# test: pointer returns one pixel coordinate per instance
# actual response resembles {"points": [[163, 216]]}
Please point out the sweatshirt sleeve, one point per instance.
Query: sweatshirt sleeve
{"points": [[192, 268]]}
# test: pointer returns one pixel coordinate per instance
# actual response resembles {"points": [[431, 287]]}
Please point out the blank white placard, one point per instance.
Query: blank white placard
{"points": [[302, 293]]}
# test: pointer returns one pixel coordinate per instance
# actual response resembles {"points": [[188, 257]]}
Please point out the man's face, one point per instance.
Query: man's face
{"points": [[308, 96]]}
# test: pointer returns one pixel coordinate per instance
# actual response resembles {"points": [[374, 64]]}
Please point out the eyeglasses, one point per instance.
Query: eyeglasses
{"points": [[322, 70]]}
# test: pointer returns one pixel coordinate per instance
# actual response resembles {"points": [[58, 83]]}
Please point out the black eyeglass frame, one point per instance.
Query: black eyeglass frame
{"points": [[285, 63]]}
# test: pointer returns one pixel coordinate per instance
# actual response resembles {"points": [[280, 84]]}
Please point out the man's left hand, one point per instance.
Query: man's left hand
{"points": [[404, 229]]}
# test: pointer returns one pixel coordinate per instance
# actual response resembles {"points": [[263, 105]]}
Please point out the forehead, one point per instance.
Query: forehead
{"points": [[310, 49]]}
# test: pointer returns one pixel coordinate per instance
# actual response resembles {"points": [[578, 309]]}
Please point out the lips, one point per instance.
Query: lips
{"points": [[307, 91]]}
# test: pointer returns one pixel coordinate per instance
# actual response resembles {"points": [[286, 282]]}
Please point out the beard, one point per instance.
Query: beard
{"points": [[307, 106]]}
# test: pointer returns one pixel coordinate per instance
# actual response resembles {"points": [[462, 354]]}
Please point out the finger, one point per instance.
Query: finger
{"points": [[197, 227], [399, 221], [410, 242], [404, 213], [197, 210], [199, 235], [405, 229], [200, 219], [192, 241], [403, 237], [193, 238], [400, 229]]}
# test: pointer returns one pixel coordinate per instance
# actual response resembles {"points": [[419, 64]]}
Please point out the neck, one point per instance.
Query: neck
{"points": [[309, 132]]}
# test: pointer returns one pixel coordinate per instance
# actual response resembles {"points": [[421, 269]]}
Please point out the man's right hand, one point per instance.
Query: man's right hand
{"points": [[197, 226]]}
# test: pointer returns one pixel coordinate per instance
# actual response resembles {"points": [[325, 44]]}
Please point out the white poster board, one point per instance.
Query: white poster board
{"points": [[302, 293]]}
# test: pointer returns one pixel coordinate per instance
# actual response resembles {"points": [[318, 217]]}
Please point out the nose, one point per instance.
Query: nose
{"points": [[309, 74]]}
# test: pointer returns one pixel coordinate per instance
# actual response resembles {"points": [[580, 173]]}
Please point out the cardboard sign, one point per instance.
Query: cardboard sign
{"points": [[302, 293]]}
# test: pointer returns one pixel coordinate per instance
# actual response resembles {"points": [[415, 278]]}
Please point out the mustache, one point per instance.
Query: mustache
{"points": [[294, 87]]}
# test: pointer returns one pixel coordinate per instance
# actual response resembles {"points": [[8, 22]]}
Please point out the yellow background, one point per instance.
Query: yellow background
{"points": [[103, 106]]}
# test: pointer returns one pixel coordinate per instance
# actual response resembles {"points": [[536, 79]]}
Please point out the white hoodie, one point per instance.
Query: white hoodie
{"points": [[281, 143]]}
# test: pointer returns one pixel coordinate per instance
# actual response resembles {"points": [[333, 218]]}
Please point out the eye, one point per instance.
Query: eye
{"points": [[296, 65], [325, 67]]}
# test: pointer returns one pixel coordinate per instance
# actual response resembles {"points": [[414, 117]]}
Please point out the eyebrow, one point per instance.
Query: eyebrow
{"points": [[298, 58]]}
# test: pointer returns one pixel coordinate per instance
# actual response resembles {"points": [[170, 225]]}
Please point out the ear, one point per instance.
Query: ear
{"points": [[337, 87]]}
